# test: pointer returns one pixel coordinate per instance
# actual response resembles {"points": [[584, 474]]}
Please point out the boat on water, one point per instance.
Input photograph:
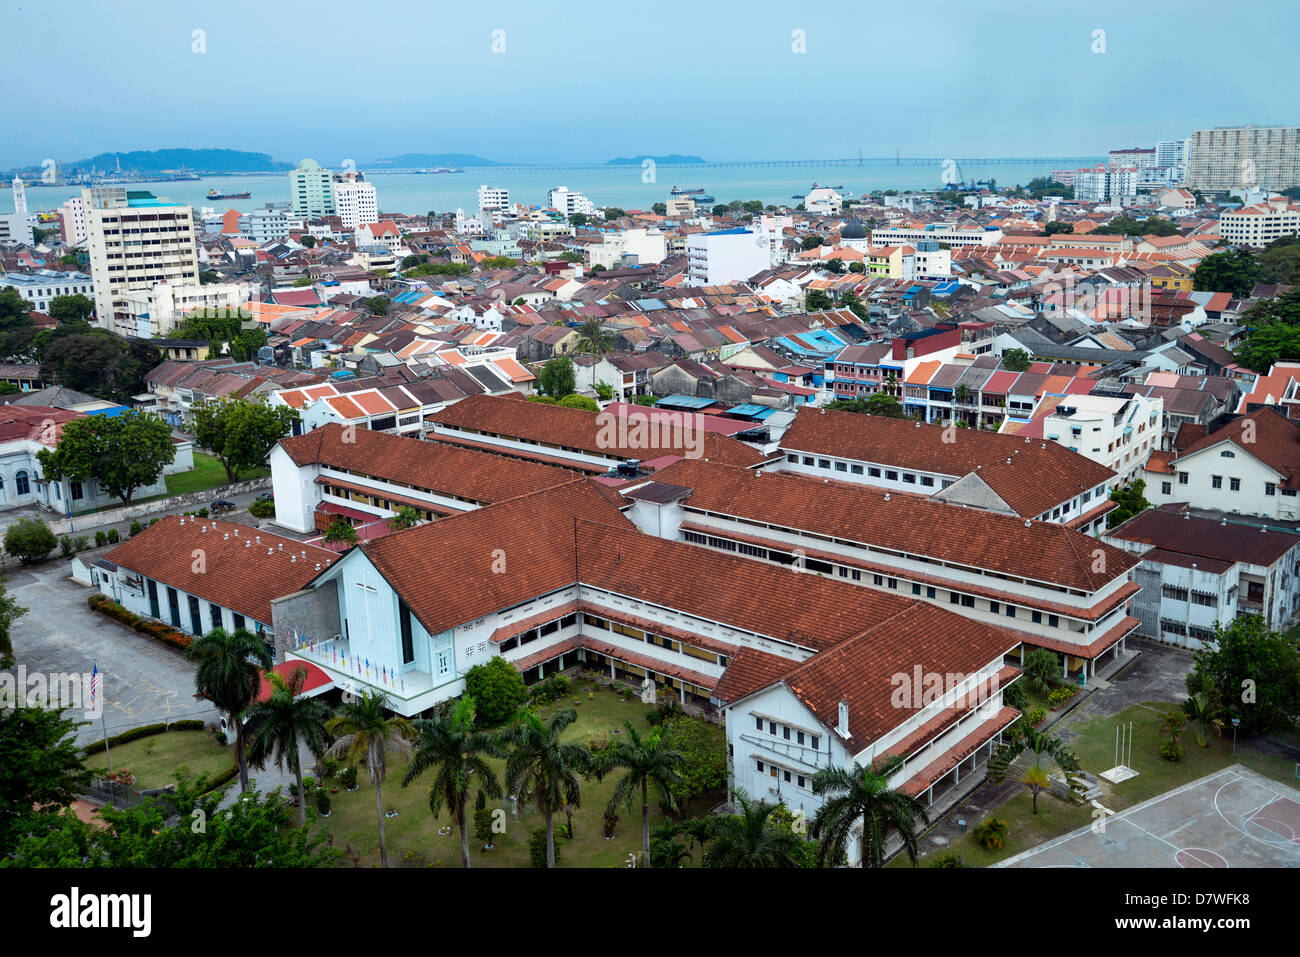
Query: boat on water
{"points": [[678, 191], [704, 199], [213, 194]]}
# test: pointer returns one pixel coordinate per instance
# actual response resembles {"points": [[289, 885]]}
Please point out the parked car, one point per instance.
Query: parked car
{"points": [[265, 497], [221, 506]]}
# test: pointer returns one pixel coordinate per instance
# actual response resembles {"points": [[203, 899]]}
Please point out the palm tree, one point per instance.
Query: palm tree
{"points": [[700, 830], [752, 839], [404, 517], [277, 726], [544, 769], [229, 663], [593, 339], [1203, 709], [453, 746], [647, 761], [363, 730], [864, 794], [1035, 769]]}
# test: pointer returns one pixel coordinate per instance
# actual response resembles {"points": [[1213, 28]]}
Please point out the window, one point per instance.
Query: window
{"points": [[239, 622], [758, 723], [771, 727], [21, 485], [760, 765], [954, 598], [798, 737], [1270, 488], [968, 601], [841, 466], [1036, 617], [916, 589], [76, 491], [856, 469], [807, 460], [823, 463], [1011, 611], [214, 613], [994, 608], [408, 645], [1053, 621], [1216, 481], [1166, 488], [929, 591], [873, 472], [891, 476], [1182, 478], [1234, 484], [813, 741]]}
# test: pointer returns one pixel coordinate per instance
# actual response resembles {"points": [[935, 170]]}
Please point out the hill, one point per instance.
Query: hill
{"points": [[673, 159], [410, 160], [200, 161]]}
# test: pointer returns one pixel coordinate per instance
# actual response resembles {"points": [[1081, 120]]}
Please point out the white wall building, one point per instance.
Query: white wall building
{"points": [[1260, 224], [493, 197], [158, 310], [72, 221], [948, 233], [823, 201], [40, 287], [356, 203], [569, 202], [1118, 433], [649, 246], [729, 255]]}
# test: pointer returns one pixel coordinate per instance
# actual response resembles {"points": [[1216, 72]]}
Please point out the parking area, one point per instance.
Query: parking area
{"points": [[144, 681], [1232, 818]]}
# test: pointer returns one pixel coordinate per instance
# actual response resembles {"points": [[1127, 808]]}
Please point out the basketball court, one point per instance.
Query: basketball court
{"points": [[1233, 818]]}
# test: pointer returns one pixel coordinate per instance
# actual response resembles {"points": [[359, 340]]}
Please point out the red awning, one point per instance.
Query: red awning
{"points": [[316, 682], [334, 508]]}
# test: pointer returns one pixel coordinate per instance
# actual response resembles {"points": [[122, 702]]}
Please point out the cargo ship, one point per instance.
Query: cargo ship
{"points": [[678, 191], [213, 194]]}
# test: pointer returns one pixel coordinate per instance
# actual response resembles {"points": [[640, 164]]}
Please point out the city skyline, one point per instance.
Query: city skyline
{"points": [[514, 84]]}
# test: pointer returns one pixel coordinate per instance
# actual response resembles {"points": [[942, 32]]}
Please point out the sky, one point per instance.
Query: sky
{"points": [[541, 83]]}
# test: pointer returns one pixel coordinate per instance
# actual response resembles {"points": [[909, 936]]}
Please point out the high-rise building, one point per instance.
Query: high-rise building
{"points": [[311, 190], [1136, 156], [72, 221], [569, 202], [1172, 154], [1233, 158], [724, 256], [136, 242], [355, 201], [1101, 184], [15, 227], [493, 197]]}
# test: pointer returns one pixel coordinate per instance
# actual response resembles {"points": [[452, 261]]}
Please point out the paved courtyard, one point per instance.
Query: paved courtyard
{"points": [[144, 682], [1232, 818]]}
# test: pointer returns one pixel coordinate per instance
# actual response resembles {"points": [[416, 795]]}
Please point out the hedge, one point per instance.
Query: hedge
{"points": [[143, 731], [165, 633]]}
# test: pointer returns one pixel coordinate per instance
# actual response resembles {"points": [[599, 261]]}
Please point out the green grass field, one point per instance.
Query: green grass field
{"points": [[207, 473], [413, 838], [156, 759], [1095, 749]]}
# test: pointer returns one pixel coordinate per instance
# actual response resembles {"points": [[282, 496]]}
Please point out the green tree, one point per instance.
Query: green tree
{"points": [[1235, 271], [544, 769], [578, 219], [604, 391], [878, 403], [1202, 709], [10, 612], [405, 517], [645, 761], [864, 795], [593, 339], [1131, 502], [857, 267], [162, 832], [812, 241], [753, 838], [241, 432], [1015, 360], [278, 726], [307, 240], [1056, 226], [456, 750], [122, 453], [659, 209], [29, 540], [98, 362], [497, 689], [613, 212], [558, 377], [816, 300], [1254, 672], [227, 675], [364, 732], [835, 266], [340, 532], [74, 308], [499, 262], [1280, 262], [378, 305], [576, 401], [850, 301], [1272, 332], [40, 770], [1042, 669], [719, 210]]}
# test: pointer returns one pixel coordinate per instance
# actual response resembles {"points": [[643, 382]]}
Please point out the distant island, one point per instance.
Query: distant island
{"points": [[673, 159], [199, 161], [412, 160]]}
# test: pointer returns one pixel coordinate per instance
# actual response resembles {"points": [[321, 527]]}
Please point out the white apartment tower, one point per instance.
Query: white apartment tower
{"points": [[569, 202], [72, 221], [136, 242], [493, 197], [355, 201]]}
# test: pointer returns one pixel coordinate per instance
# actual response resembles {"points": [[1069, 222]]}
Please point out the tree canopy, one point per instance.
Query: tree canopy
{"points": [[241, 432], [1272, 332], [1235, 271], [558, 377], [40, 770], [122, 453], [1254, 672]]}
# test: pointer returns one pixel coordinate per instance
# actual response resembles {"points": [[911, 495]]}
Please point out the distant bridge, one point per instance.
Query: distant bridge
{"points": [[1063, 162]]}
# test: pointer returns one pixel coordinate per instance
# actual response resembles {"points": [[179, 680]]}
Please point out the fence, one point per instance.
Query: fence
{"points": [[190, 500], [121, 796]]}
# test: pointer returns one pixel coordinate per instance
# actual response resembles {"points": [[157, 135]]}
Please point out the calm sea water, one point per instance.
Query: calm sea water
{"points": [[606, 186]]}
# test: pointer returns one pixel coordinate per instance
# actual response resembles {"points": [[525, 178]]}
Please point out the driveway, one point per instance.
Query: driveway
{"points": [[144, 681]]}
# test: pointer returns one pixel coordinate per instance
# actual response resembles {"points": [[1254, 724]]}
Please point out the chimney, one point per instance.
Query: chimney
{"points": [[842, 727]]}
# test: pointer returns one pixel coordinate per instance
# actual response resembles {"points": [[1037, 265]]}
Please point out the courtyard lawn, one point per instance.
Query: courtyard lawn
{"points": [[413, 838], [1094, 745], [155, 760], [207, 473]]}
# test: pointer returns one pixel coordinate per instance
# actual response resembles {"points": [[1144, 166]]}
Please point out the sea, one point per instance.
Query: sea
{"points": [[627, 187]]}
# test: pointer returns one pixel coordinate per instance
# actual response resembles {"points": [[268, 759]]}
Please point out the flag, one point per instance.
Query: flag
{"points": [[95, 679]]}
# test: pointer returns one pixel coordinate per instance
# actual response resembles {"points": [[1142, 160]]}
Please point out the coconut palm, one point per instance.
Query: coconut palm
{"points": [[592, 338], [542, 768], [277, 726], [647, 761], [1202, 710], [751, 838], [228, 666], [364, 731], [700, 830], [863, 794], [455, 748]]}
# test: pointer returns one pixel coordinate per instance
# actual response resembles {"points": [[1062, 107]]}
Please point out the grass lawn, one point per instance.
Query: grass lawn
{"points": [[154, 760], [207, 473], [1095, 749], [413, 838]]}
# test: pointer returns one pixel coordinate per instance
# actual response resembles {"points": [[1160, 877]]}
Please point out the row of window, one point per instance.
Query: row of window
{"points": [[659, 641], [1191, 631], [853, 468], [787, 733], [785, 774]]}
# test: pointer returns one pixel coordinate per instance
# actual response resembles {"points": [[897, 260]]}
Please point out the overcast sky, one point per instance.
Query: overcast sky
{"points": [[589, 81]]}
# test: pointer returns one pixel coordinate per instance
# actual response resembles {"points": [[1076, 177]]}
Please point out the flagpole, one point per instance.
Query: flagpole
{"points": [[104, 724]]}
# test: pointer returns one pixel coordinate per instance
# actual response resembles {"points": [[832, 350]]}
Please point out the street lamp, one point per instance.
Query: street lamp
{"points": [[1235, 722]]}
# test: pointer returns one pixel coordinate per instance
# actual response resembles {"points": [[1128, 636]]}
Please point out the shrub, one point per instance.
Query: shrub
{"points": [[497, 689], [100, 539], [482, 821], [991, 833], [322, 802], [331, 767], [704, 748], [537, 848], [348, 777], [1059, 696], [948, 860], [67, 547], [1036, 717], [136, 528], [155, 629], [607, 826], [80, 543], [203, 512], [667, 709], [29, 540], [552, 689], [94, 747], [1016, 697], [1171, 751], [262, 509], [113, 537]]}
